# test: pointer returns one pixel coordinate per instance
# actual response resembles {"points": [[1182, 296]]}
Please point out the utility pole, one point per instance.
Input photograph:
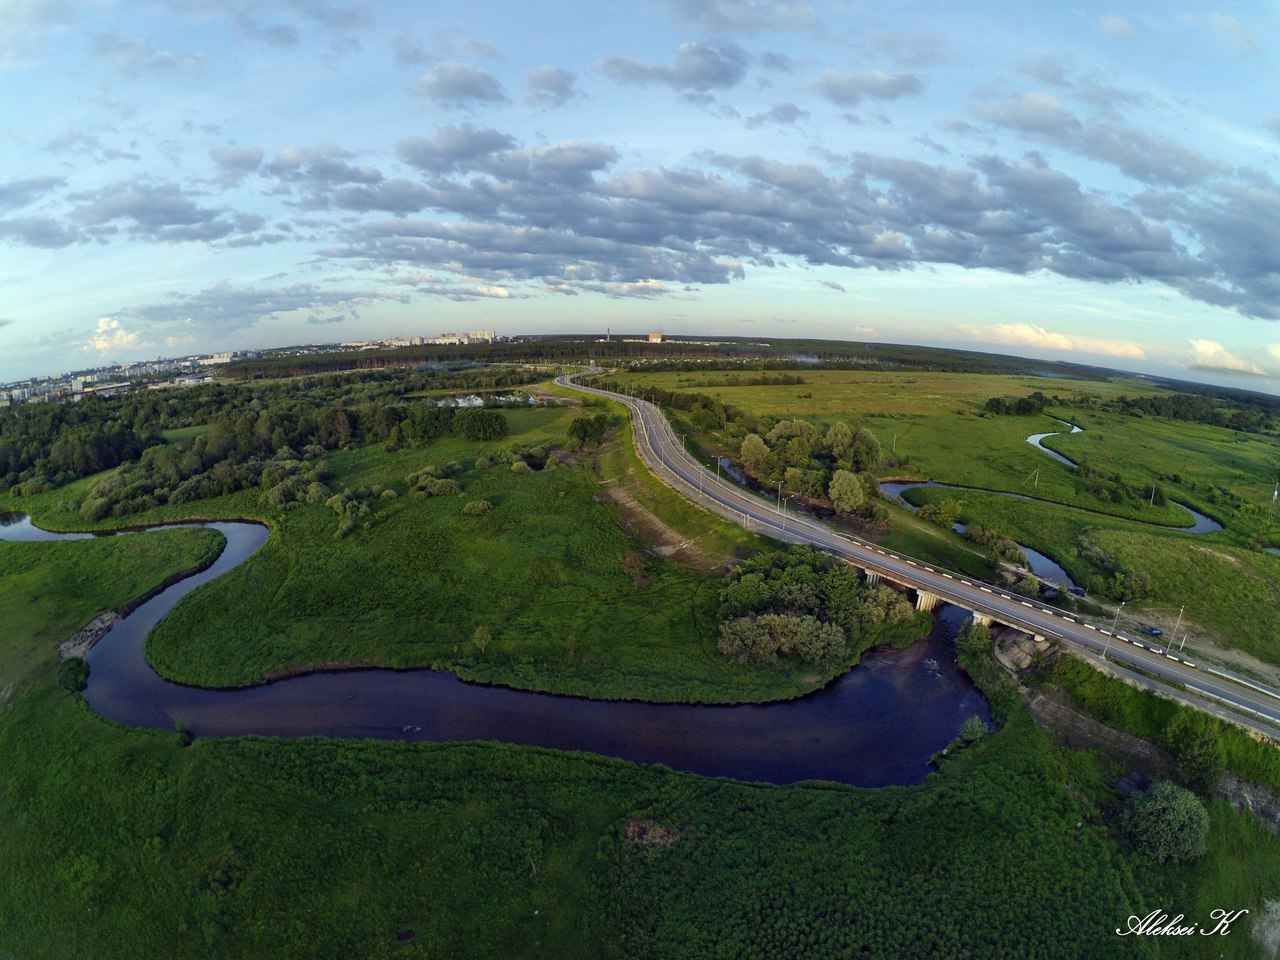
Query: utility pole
{"points": [[1169, 645], [1114, 621]]}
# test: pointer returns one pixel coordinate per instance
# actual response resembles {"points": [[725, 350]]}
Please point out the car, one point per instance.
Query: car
{"points": [[1152, 632], [1077, 591]]}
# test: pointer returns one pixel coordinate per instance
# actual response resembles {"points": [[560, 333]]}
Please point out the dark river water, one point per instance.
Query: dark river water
{"points": [[877, 725]]}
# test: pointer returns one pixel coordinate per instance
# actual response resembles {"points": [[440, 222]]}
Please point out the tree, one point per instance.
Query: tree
{"points": [[1198, 749], [865, 452], [846, 492], [753, 451], [839, 441], [1166, 823], [481, 424]]}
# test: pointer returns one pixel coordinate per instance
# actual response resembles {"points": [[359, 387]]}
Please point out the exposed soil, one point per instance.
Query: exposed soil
{"points": [[1070, 727], [648, 832], [644, 525], [81, 642]]}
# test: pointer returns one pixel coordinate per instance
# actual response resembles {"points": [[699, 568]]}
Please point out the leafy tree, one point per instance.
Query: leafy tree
{"points": [[481, 424], [865, 452], [839, 441], [846, 492], [1198, 749], [753, 451], [1166, 823]]}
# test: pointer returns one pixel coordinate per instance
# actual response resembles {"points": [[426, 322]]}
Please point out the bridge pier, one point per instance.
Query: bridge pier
{"points": [[926, 601], [981, 619], [872, 576]]}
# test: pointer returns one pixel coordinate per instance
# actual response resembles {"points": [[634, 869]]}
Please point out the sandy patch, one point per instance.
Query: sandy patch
{"points": [[80, 643]]}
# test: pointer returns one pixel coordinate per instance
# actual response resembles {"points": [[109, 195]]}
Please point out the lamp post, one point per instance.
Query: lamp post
{"points": [[779, 494], [785, 501], [1169, 645], [1114, 621]]}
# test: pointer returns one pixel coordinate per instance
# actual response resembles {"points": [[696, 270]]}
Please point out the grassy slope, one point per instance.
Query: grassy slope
{"points": [[121, 843], [1229, 590], [543, 571]]}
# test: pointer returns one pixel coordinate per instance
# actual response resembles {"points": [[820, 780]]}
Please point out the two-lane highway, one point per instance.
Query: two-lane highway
{"points": [[1213, 691]]}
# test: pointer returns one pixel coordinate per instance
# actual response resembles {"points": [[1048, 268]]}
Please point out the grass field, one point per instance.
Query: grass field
{"points": [[123, 843], [571, 604], [1229, 591], [935, 421]]}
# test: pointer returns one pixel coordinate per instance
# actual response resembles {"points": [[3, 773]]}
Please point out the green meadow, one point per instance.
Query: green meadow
{"points": [[126, 843], [545, 591], [933, 426]]}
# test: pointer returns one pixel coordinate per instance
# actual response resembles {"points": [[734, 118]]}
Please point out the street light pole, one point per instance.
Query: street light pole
{"points": [[779, 494], [784, 512], [1169, 645], [1114, 621]]}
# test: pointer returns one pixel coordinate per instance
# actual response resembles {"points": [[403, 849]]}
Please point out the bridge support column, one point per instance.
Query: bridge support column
{"points": [[926, 600], [981, 619], [872, 576], [1038, 638]]}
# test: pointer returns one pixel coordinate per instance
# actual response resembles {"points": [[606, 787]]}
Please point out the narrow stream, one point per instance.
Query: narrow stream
{"points": [[876, 725]]}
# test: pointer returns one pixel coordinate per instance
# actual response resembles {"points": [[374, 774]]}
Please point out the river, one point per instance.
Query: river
{"points": [[878, 724]]}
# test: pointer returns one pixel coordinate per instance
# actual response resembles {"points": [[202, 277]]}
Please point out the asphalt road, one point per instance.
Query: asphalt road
{"points": [[1205, 688]]}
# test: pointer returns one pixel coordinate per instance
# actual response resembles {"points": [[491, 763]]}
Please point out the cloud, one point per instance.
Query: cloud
{"points": [[782, 114], [38, 232], [26, 25], [744, 16], [1211, 356], [326, 163], [453, 148], [110, 336], [19, 193], [697, 66], [132, 56], [1143, 156], [833, 285], [864, 330], [549, 86], [1232, 33], [459, 85], [409, 50], [850, 89], [5, 322], [234, 163], [222, 307], [1029, 335], [153, 211], [1114, 27]]}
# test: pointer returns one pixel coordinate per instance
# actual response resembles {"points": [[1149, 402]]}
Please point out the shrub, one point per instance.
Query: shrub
{"points": [[74, 674], [477, 508], [1166, 823]]}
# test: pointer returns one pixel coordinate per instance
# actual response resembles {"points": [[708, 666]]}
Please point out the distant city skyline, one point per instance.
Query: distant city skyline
{"points": [[1092, 183]]}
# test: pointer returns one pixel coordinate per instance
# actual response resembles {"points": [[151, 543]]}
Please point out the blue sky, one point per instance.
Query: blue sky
{"points": [[1096, 183]]}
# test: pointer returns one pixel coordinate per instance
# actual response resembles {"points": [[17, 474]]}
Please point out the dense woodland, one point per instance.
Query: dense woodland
{"points": [[802, 603], [268, 435]]}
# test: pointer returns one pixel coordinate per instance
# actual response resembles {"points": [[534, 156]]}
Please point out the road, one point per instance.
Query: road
{"points": [[1208, 689]]}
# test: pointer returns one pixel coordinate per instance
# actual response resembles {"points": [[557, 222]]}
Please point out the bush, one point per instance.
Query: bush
{"points": [[477, 508], [74, 674], [1166, 823]]}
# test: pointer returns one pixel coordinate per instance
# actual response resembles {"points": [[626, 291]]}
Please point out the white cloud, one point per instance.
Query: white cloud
{"points": [[1117, 28], [1211, 355], [110, 336], [1029, 335]]}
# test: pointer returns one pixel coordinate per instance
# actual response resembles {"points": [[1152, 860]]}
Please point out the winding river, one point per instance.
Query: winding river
{"points": [[1041, 565], [878, 724]]}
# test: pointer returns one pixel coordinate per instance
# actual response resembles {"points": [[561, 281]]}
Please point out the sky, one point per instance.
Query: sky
{"points": [[1092, 183]]}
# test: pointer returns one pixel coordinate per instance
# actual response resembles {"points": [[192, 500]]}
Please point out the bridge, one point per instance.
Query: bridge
{"points": [[1214, 691]]}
